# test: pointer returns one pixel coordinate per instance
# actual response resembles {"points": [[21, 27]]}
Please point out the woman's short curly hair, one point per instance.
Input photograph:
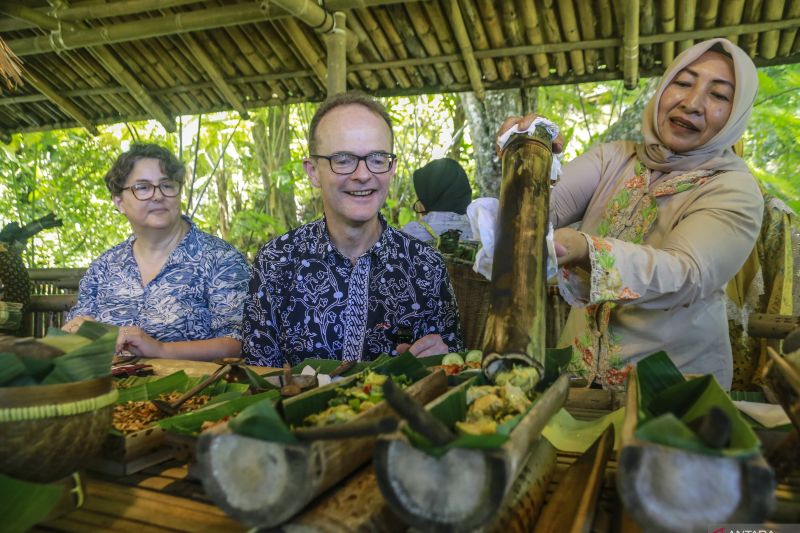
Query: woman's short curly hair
{"points": [[170, 165]]}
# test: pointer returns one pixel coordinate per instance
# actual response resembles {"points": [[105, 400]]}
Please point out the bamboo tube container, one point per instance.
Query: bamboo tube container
{"points": [[654, 481], [516, 322], [466, 488], [264, 483]]}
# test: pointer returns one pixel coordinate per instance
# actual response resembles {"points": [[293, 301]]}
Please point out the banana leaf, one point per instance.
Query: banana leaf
{"points": [[296, 409], [24, 504], [179, 382], [190, 423], [86, 362], [326, 366], [672, 402], [451, 408], [568, 434], [11, 368], [262, 421]]}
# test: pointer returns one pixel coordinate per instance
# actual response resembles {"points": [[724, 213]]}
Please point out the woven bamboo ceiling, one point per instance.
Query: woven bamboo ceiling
{"points": [[95, 62]]}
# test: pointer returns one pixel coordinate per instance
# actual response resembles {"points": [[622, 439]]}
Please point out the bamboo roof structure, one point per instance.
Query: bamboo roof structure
{"points": [[93, 62]]}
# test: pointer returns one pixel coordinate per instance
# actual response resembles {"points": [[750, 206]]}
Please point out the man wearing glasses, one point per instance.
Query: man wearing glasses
{"points": [[177, 292], [348, 286]]}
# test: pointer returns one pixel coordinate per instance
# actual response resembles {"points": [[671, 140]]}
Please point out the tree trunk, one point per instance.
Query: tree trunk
{"points": [[629, 125], [484, 118], [222, 201], [271, 138]]}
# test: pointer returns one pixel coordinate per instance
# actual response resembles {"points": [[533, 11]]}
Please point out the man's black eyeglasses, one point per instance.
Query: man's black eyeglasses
{"points": [[347, 163], [144, 190]]}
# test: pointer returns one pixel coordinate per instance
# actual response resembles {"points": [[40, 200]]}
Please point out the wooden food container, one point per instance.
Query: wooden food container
{"points": [[281, 479], [464, 488]]}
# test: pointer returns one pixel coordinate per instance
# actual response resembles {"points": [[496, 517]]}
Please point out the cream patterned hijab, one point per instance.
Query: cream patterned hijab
{"points": [[717, 153]]}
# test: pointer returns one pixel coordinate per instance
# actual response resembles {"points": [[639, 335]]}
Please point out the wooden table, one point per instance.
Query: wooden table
{"points": [[167, 498]]}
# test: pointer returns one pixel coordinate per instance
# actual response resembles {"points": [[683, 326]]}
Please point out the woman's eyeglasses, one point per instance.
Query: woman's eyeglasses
{"points": [[347, 163], [144, 190]]}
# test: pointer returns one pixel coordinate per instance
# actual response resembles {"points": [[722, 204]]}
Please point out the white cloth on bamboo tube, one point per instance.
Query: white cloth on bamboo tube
{"points": [[483, 220], [552, 129]]}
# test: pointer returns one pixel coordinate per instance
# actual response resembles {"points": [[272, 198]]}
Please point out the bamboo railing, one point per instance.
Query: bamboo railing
{"points": [[54, 292]]}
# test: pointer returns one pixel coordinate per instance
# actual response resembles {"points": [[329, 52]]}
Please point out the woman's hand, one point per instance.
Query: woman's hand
{"points": [[74, 325], [524, 123], [571, 248], [431, 344], [137, 342]]}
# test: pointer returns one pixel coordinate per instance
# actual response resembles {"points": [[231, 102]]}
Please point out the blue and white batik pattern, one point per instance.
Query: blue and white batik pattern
{"points": [[307, 300], [199, 293]]}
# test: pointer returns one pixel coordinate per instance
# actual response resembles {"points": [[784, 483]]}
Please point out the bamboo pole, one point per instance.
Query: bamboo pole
{"points": [[788, 37], [371, 53], [53, 95], [553, 34], [214, 73], [337, 55], [569, 23], [385, 51], [385, 22], [752, 13], [116, 9], [606, 31], [494, 33], [272, 61], [667, 26], [709, 9], [138, 92], [472, 21], [424, 32], [457, 22], [112, 65], [402, 24], [731, 15], [587, 23], [513, 30], [287, 59], [630, 46], [444, 37], [685, 21], [306, 50], [647, 26], [314, 16], [142, 29], [516, 323], [533, 32], [773, 10]]}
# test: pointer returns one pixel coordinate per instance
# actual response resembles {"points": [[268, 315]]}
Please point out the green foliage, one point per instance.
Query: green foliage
{"points": [[241, 189]]}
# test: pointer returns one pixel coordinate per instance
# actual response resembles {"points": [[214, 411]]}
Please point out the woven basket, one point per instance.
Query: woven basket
{"points": [[472, 294], [49, 431]]}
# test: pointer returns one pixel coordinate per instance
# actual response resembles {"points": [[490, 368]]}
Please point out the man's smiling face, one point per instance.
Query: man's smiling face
{"points": [[351, 199]]}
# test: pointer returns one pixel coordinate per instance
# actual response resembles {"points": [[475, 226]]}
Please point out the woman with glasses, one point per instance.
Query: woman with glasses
{"points": [[176, 292]]}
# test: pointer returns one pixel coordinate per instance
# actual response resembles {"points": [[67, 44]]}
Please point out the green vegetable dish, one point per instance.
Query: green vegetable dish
{"points": [[364, 393]]}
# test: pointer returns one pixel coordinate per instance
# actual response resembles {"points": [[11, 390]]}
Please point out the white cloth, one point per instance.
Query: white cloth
{"points": [[552, 129], [482, 214]]}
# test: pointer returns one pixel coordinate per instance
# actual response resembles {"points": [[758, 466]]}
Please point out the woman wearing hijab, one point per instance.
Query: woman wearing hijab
{"points": [[177, 292], [443, 194], [664, 224]]}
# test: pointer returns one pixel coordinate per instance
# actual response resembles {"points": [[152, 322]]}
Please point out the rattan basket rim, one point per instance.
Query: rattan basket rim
{"points": [[54, 394]]}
